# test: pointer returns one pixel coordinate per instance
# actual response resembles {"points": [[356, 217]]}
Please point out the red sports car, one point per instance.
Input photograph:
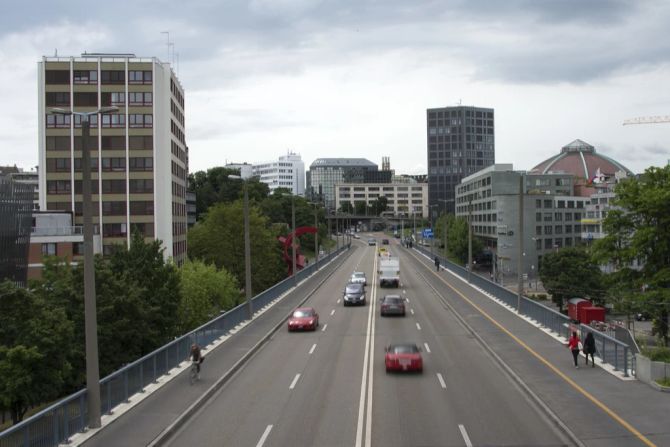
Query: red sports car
{"points": [[303, 318], [403, 357]]}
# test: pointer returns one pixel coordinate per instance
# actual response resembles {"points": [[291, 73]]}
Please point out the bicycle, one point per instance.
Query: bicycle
{"points": [[194, 374]]}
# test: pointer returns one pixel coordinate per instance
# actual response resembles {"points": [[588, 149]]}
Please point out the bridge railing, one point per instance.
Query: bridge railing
{"points": [[608, 349], [57, 423]]}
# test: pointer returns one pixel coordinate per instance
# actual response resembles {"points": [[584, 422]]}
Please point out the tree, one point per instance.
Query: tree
{"points": [[206, 292], [34, 341], [571, 273], [216, 186], [360, 206], [457, 239], [640, 231], [219, 239], [346, 207]]}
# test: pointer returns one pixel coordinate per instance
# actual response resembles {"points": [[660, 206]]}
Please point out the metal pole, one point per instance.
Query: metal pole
{"points": [[469, 238], [446, 253], [90, 314], [316, 239], [247, 253], [520, 254], [295, 279]]}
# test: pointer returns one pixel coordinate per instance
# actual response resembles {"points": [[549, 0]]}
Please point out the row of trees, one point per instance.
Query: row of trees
{"points": [[143, 302]]}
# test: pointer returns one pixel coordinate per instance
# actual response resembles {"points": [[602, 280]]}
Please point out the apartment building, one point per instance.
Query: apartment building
{"points": [[139, 156]]}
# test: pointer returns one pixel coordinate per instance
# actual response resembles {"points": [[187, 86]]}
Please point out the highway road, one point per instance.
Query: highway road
{"points": [[330, 388]]}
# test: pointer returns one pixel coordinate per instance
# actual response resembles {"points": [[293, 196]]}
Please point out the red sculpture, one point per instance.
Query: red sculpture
{"points": [[286, 242]]}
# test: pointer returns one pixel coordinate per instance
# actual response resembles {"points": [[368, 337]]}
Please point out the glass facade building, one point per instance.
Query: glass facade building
{"points": [[16, 203]]}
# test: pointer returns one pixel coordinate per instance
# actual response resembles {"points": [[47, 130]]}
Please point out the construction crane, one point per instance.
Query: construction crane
{"points": [[647, 120]]}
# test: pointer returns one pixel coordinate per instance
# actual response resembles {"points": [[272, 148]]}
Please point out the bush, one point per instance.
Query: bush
{"points": [[664, 382], [660, 354]]}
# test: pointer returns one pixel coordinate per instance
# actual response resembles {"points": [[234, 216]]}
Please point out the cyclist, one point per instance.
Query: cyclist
{"points": [[196, 356]]}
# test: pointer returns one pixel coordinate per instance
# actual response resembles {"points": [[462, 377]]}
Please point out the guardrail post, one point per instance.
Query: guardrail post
{"points": [[55, 425], [109, 397], [167, 361], [82, 419], [616, 358], [141, 377], [125, 385], [66, 424], [154, 358], [625, 361]]}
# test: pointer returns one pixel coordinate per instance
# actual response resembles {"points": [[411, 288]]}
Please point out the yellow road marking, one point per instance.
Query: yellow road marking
{"points": [[549, 365]]}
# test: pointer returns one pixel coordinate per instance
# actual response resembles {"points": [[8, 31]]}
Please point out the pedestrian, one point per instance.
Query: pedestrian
{"points": [[590, 348], [575, 345], [437, 263]]}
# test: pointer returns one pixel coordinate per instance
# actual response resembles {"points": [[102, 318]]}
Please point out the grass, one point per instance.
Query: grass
{"points": [[664, 382], [658, 354]]}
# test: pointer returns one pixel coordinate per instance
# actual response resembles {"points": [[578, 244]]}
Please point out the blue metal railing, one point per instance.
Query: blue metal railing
{"points": [[609, 349], [54, 425]]}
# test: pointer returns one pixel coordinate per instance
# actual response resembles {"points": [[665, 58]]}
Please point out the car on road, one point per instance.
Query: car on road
{"points": [[393, 305], [403, 357], [303, 318], [372, 241], [354, 293], [358, 278], [385, 241], [356, 236]]}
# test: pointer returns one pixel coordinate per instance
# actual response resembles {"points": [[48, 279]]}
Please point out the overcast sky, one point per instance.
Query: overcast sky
{"points": [[353, 78]]}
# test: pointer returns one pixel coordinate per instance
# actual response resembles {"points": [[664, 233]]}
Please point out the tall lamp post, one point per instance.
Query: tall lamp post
{"points": [[90, 313], [469, 239], [520, 255], [247, 249]]}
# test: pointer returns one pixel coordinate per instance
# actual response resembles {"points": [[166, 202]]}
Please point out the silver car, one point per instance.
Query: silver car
{"points": [[358, 278]]}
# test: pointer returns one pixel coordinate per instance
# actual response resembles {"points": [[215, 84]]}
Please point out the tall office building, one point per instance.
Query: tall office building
{"points": [[325, 173], [460, 142], [139, 154], [286, 172]]}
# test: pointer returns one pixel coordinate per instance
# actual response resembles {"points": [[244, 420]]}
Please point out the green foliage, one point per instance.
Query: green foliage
{"points": [[641, 231], [659, 354], [347, 207], [206, 292], [215, 186], [219, 239], [571, 273], [664, 382], [34, 340], [457, 239]]}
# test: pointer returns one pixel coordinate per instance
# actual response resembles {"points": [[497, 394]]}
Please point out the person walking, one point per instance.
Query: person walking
{"points": [[590, 348], [575, 345], [437, 263]]}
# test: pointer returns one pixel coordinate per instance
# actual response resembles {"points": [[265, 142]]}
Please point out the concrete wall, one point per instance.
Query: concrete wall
{"points": [[648, 371]]}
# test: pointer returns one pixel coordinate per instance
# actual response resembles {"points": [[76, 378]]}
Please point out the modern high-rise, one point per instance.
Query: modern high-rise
{"points": [[139, 156], [325, 173], [461, 141], [286, 172]]}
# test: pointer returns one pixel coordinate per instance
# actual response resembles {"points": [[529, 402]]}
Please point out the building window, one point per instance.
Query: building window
{"points": [[112, 77], [548, 243], [558, 229], [58, 99], [85, 77], [538, 217], [538, 230], [558, 217], [114, 120], [538, 244], [547, 204], [92, 122], [58, 187], [139, 120], [140, 98], [49, 249], [78, 248], [58, 121], [547, 229], [141, 186], [139, 77], [57, 77]]}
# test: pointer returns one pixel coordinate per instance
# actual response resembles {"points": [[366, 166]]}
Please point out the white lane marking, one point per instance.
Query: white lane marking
{"points": [[324, 327], [265, 436], [332, 311], [313, 348], [364, 380], [412, 311], [441, 379], [338, 300], [407, 299], [418, 326], [368, 419], [404, 291], [464, 433], [295, 380], [425, 345]]}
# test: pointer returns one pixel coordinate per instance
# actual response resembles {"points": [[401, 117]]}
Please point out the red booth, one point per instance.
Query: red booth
{"points": [[574, 306]]}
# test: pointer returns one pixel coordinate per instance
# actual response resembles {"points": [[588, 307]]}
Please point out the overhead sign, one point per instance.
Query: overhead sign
{"points": [[427, 233]]}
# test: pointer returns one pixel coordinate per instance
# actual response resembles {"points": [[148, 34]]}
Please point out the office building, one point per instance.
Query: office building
{"points": [[287, 172], [402, 199], [246, 170], [139, 153], [325, 173], [461, 141], [15, 224]]}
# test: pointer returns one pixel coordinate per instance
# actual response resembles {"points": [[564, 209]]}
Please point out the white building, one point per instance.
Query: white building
{"points": [[402, 199], [286, 172], [246, 170]]}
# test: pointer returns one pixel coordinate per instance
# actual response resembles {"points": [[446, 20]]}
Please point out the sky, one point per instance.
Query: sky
{"points": [[353, 78]]}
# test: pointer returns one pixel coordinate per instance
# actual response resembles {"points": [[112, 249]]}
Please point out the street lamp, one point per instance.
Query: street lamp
{"points": [[295, 279], [469, 238], [90, 313], [247, 248]]}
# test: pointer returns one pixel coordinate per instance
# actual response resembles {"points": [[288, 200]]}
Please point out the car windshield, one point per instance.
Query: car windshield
{"points": [[354, 288], [392, 300], [358, 275], [303, 313], [403, 349]]}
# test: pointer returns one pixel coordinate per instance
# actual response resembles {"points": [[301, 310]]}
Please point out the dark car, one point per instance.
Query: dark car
{"points": [[403, 357], [393, 305], [303, 318], [385, 241], [354, 294]]}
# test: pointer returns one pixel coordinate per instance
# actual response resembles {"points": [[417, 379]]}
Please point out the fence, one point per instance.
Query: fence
{"points": [[609, 349], [55, 424]]}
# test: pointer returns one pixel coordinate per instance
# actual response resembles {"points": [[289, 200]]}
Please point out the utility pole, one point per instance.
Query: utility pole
{"points": [[520, 235], [295, 279], [469, 239], [247, 254]]}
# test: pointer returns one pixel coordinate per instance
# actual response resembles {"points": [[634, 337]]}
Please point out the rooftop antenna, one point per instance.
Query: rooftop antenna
{"points": [[177, 55], [168, 43]]}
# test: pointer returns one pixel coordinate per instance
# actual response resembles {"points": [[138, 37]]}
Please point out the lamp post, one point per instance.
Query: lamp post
{"points": [[432, 227], [316, 237], [247, 250], [295, 279], [469, 239], [90, 313], [520, 254]]}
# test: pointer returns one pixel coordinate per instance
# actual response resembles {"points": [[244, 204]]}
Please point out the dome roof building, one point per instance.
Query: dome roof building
{"points": [[581, 159]]}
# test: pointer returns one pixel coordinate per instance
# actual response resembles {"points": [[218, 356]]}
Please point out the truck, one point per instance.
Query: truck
{"points": [[389, 271]]}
